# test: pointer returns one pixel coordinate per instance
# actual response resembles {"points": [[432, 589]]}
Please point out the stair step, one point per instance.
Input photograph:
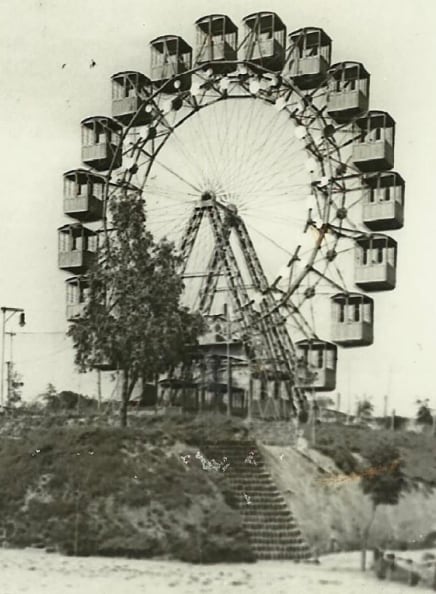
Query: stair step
{"points": [[264, 499], [255, 526], [255, 472], [260, 492], [269, 541], [258, 481], [280, 513], [288, 533], [265, 502], [271, 544], [258, 489], [255, 507]]}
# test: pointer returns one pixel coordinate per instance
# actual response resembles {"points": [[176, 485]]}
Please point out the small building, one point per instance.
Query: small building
{"points": [[83, 195], [352, 319], [130, 90], [383, 201], [375, 262], [348, 91], [217, 42], [319, 358], [77, 248], [77, 294], [101, 143], [264, 40], [329, 415], [310, 57], [171, 58], [374, 149]]}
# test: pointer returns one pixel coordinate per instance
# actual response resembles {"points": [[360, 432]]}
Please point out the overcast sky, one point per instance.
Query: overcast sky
{"points": [[41, 105]]}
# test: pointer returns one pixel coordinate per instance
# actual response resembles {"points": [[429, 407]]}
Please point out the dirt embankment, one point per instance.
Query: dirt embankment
{"points": [[329, 505]]}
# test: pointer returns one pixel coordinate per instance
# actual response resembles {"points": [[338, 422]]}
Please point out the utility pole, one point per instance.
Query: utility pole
{"points": [[5, 318], [313, 417], [11, 345], [385, 408], [9, 381], [10, 367], [229, 361], [250, 396]]}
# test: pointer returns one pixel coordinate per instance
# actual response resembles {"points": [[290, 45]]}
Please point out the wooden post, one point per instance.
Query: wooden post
{"points": [[99, 389], [390, 566], [156, 388], [228, 360], [313, 418], [250, 398]]}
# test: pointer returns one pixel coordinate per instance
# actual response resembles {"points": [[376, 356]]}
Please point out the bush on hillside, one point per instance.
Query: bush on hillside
{"points": [[417, 450]]}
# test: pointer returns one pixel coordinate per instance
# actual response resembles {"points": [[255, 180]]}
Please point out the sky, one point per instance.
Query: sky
{"points": [[41, 105]]}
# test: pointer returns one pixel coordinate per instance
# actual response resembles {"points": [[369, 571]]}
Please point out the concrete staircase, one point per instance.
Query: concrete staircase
{"points": [[271, 526]]}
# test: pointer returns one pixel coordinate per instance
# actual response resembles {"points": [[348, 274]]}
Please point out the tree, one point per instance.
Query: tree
{"points": [[424, 415], [383, 481], [49, 395], [365, 408], [67, 400], [133, 317]]}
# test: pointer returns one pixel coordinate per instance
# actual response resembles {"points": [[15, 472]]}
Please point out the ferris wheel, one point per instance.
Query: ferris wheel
{"points": [[265, 165]]}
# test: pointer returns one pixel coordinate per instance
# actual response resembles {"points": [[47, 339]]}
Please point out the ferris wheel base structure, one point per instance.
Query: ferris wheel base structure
{"points": [[273, 357]]}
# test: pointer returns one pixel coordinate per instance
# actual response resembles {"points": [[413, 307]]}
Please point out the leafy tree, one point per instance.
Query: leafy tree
{"points": [[424, 415], [383, 481], [133, 318], [50, 393], [365, 408], [69, 400]]}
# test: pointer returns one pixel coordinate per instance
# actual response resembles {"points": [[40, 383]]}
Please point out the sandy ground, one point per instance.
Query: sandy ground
{"points": [[36, 572]]}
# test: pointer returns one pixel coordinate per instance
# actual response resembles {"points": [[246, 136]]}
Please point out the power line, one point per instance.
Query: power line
{"points": [[43, 332]]}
